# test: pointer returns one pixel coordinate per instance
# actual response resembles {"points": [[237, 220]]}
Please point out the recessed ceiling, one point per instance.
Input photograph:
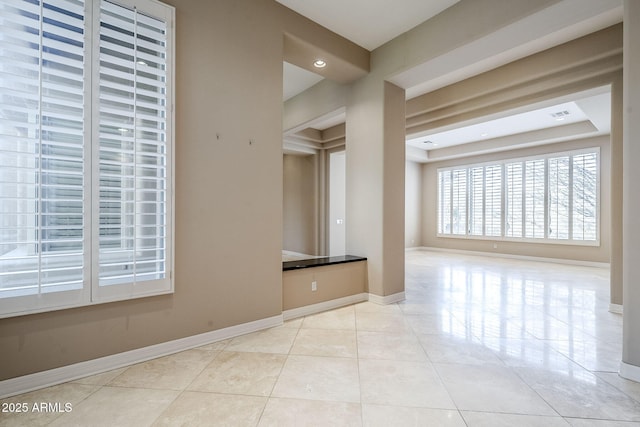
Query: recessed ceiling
{"points": [[368, 23], [594, 108]]}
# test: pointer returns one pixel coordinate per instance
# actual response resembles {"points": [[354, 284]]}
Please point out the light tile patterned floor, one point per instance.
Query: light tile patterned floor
{"points": [[478, 342]]}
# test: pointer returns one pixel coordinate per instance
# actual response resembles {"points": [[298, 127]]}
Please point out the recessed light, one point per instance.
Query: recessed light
{"points": [[560, 115], [484, 134], [319, 63]]}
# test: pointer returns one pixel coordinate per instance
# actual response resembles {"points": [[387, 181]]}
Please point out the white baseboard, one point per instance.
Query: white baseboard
{"points": [[630, 372], [26, 383], [522, 257], [615, 308], [307, 310], [38, 380], [388, 299]]}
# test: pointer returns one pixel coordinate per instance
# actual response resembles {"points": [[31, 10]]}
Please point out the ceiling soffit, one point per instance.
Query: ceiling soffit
{"points": [[302, 53], [589, 62]]}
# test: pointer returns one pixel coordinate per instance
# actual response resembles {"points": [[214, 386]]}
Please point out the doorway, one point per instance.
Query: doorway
{"points": [[337, 203]]}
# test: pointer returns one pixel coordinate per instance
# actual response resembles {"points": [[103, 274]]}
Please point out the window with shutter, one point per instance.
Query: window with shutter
{"points": [[552, 198], [85, 156]]}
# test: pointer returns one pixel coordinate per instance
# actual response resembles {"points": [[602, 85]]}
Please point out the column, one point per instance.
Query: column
{"points": [[630, 365], [375, 184]]}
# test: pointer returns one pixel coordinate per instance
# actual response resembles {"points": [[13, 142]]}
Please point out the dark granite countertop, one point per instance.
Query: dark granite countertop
{"points": [[319, 262]]}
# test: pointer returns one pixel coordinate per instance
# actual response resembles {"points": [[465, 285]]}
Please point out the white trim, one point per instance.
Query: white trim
{"points": [[300, 146], [324, 306], [615, 308], [387, 299], [522, 257], [630, 372], [26, 383]]}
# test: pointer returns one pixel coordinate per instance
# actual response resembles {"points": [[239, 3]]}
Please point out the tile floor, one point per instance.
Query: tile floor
{"points": [[478, 342]]}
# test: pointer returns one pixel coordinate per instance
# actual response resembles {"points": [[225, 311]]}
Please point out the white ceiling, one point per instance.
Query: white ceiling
{"points": [[371, 23], [593, 108], [368, 23]]}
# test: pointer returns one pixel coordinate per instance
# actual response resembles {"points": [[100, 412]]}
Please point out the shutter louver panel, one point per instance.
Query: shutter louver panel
{"points": [[476, 201], [514, 200], [559, 187], [133, 151], [585, 196], [42, 239], [459, 201], [493, 201], [534, 194], [444, 200]]}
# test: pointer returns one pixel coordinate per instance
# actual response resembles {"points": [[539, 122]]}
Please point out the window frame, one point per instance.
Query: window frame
{"points": [[91, 293], [522, 198]]}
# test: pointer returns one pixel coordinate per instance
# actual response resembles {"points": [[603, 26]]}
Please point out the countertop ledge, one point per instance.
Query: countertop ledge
{"points": [[319, 262]]}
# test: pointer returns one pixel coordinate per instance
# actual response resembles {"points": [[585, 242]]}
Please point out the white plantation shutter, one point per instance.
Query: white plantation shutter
{"points": [[42, 199], [459, 201], [485, 200], [585, 196], [514, 199], [551, 198], [444, 202], [476, 201], [493, 201], [534, 194], [559, 197], [84, 192], [133, 153]]}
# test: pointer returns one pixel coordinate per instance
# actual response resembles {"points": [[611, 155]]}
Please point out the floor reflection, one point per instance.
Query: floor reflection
{"points": [[530, 314]]}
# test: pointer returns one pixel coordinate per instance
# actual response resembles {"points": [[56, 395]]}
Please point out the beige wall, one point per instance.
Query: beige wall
{"points": [[599, 253], [300, 200], [228, 194], [332, 282]]}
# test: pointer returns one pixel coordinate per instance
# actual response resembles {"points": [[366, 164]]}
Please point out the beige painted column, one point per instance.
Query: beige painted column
{"points": [[375, 184], [616, 236], [630, 366]]}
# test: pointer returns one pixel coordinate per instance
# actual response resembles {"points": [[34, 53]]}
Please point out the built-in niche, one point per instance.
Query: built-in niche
{"points": [[314, 169]]}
